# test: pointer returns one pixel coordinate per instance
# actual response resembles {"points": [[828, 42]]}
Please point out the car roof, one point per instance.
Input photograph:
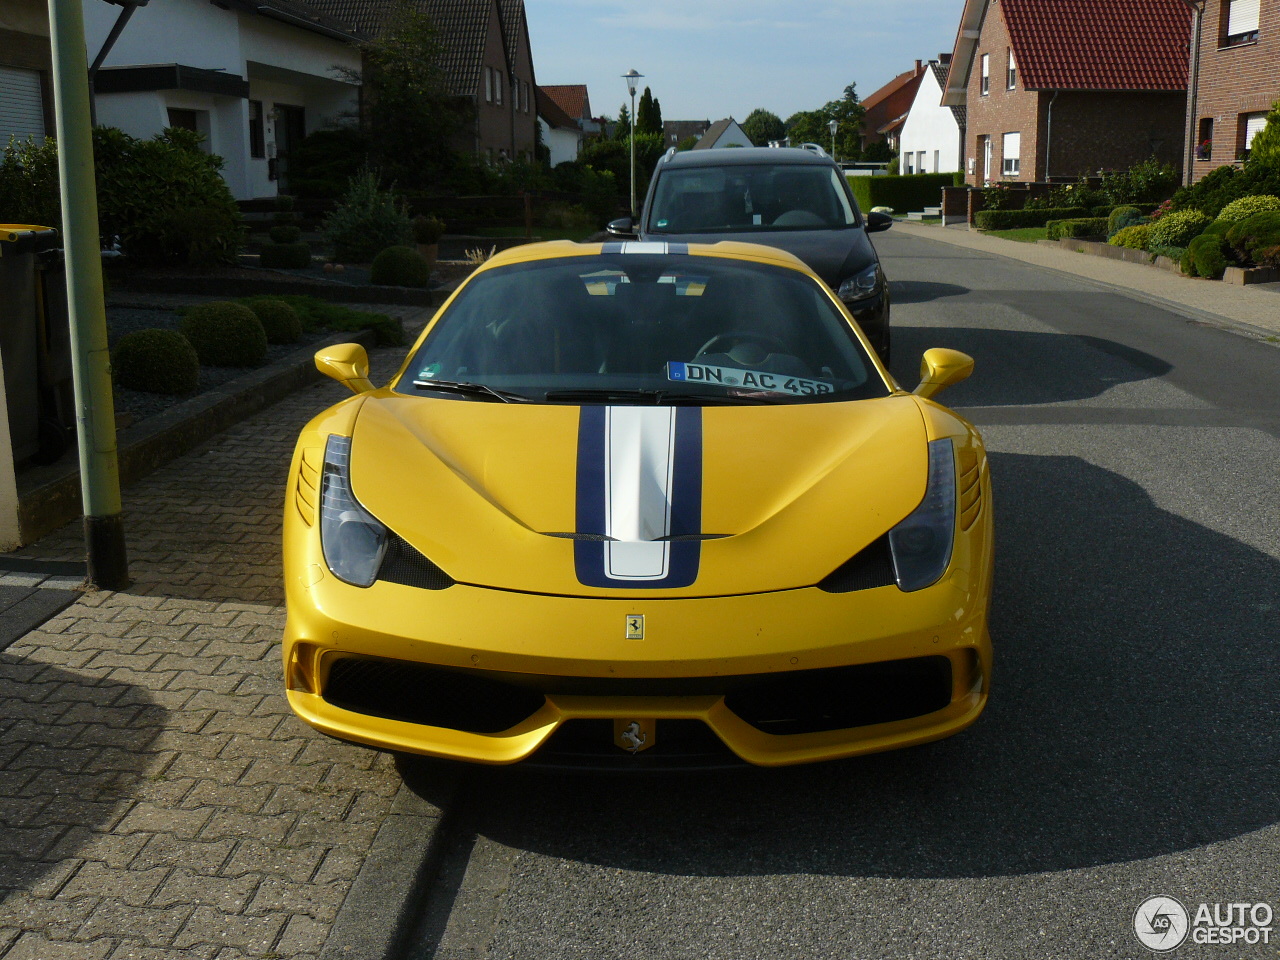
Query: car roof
{"points": [[746, 156], [725, 249]]}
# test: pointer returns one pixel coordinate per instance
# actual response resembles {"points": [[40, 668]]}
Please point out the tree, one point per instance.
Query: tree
{"points": [[410, 114], [1266, 143], [807, 126], [648, 114], [623, 129], [812, 126], [762, 127]]}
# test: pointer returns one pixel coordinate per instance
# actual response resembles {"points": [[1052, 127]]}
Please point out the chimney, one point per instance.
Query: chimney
{"points": [[919, 66]]}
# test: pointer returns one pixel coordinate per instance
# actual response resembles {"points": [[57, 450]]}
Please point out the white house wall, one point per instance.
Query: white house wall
{"points": [[563, 144], [734, 136], [189, 32], [932, 128]]}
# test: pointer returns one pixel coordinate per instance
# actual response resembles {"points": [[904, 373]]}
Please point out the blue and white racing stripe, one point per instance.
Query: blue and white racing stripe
{"points": [[639, 486], [646, 246]]}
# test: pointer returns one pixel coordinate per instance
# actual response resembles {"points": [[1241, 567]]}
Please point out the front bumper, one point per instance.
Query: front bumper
{"points": [[567, 659]]}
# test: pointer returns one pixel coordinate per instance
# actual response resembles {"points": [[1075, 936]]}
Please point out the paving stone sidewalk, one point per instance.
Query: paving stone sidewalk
{"points": [[157, 797]]}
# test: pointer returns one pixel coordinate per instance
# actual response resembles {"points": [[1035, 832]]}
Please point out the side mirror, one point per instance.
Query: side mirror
{"points": [[348, 363], [941, 368], [878, 221], [626, 227]]}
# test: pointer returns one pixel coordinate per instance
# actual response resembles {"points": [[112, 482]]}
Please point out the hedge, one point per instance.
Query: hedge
{"points": [[903, 194], [1012, 219], [1080, 229]]}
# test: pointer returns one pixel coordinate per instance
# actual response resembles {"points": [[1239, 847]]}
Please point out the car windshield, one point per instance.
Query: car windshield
{"points": [[642, 328], [747, 198]]}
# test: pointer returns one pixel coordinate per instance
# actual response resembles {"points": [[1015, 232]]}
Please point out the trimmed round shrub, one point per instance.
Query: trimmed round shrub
{"points": [[1173, 253], [427, 229], [1249, 238], [399, 267], [1219, 227], [1205, 256], [1246, 207], [284, 233], [286, 256], [1135, 237], [279, 320], [157, 361], [225, 334], [1178, 229], [1114, 225]]}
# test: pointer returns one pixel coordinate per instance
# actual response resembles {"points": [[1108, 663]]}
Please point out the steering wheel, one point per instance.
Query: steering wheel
{"points": [[742, 336]]}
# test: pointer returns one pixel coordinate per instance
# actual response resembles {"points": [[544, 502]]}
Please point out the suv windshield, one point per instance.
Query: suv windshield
{"points": [[744, 198], [641, 328]]}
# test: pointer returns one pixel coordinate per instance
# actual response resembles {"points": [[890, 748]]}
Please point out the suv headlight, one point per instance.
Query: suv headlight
{"points": [[352, 539], [860, 286], [922, 543]]}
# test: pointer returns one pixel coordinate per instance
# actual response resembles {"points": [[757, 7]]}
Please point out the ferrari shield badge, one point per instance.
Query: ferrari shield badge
{"points": [[634, 735], [635, 627]]}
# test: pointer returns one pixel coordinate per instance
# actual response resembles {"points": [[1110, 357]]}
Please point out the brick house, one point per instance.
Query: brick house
{"points": [[1057, 88], [887, 107], [1239, 80], [488, 61]]}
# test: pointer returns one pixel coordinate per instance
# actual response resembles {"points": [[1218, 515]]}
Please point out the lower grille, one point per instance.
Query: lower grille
{"points": [[395, 690], [678, 744], [811, 701]]}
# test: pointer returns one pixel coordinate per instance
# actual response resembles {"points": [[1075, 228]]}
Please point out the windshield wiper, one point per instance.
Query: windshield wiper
{"points": [[656, 397], [472, 390]]}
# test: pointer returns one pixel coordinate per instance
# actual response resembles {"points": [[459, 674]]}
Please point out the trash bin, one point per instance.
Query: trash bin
{"points": [[35, 342]]}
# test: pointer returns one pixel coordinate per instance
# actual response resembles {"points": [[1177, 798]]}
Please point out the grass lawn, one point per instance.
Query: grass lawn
{"points": [[577, 234], [1021, 234]]}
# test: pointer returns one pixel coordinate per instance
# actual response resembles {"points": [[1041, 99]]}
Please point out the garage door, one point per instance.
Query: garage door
{"points": [[21, 104]]}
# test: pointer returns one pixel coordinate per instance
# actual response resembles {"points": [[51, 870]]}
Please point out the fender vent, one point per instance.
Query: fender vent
{"points": [[405, 565], [305, 495], [969, 488], [870, 567]]}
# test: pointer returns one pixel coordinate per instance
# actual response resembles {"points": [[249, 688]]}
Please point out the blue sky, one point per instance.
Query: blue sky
{"points": [[707, 59]]}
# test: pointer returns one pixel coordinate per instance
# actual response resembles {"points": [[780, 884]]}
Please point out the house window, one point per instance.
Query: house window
{"points": [[1249, 126], [920, 162], [907, 159], [1012, 154], [936, 158], [488, 84], [986, 74], [257, 134], [21, 104], [1012, 72], [1239, 22], [499, 78], [1204, 141]]}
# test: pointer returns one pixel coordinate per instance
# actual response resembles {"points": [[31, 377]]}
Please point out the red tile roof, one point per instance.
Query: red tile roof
{"points": [[1100, 44], [571, 98]]}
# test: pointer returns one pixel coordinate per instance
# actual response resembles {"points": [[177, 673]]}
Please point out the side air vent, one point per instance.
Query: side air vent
{"points": [[305, 494], [405, 565], [969, 487], [871, 567]]}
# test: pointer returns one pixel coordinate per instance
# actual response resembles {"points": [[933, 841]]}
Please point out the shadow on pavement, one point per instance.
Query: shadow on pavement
{"points": [[72, 750], [1015, 368], [923, 291], [1135, 712]]}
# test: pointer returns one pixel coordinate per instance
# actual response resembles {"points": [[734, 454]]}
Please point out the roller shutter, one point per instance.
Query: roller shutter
{"points": [[21, 104]]}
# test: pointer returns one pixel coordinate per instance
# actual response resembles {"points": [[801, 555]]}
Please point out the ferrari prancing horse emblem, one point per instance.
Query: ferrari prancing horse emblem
{"points": [[634, 735], [635, 627]]}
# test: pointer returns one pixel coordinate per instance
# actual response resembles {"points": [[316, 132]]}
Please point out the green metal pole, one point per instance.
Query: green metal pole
{"points": [[91, 363]]}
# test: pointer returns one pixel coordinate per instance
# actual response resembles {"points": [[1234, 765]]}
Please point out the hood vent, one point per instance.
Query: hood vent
{"points": [[405, 565], [871, 567]]}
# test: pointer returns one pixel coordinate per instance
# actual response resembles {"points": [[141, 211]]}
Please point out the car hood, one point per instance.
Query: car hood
{"points": [[523, 497], [832, 254]]}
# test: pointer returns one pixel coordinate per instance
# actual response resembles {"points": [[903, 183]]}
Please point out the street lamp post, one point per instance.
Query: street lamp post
{"points": [[633, 80], [833, 126]]}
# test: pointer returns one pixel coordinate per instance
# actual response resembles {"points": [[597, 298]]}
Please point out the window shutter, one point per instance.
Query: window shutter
{"points": [[21, 104], [1242, 17], [1253, 124]]}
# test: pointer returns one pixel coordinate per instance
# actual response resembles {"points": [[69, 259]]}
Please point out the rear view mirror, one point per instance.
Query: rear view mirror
{"points": [[348, 363], [878, 221], [941, 368], [626, 228]]}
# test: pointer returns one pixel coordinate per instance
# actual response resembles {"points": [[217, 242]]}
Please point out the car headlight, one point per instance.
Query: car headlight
{"points": [[352, 539], [861, 286], [922, 543]]}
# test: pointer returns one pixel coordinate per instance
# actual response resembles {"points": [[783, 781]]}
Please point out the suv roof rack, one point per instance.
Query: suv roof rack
{"points": [[669, 154], [814, 148]]}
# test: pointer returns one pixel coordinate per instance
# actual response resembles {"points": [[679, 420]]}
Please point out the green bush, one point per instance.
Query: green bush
{"points": [[1219, 227], [225, 334], [905, 194], [324, 162], [286, 256], [1126, 212], [317, 314], [367, 220], [280, 321], [1260, 175], [157, 361], [1148, 181], [1135, 237], [1012, 219], [1246, 207], [284, 233], [1252, 240], [1173, 253], [1205, 256], [1079, 229], [399, 267], [1178, 228], [427, 229]]}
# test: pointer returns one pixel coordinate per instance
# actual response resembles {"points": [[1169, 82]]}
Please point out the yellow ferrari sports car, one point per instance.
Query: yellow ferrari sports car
{"points": [[639, 503]]}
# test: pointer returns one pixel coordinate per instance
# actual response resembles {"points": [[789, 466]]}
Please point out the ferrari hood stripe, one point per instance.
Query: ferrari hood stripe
{"points": [[639, 484], [646, 246]]}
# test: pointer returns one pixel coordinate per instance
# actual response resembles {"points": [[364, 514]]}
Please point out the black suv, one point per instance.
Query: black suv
{"points": [[795, 199]]}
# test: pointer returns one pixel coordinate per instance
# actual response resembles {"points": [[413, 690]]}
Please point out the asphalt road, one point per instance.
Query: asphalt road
{"points": [[1132, 742]]}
